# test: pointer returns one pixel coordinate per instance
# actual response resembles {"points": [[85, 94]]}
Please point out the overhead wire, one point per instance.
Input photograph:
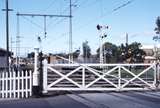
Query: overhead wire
{"points": [[76, 1], [41, 27], [84, 25], [37, 25], [115, 9], [50, 5], [123, 5], [60, 21], [106, 14], [63, 19], [84, 4], [56, 23], [102, 16]]}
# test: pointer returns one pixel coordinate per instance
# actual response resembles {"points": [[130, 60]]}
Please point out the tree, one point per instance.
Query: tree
{"points": [[110, 52], [86, 50], [76, 53], [124, 53], [157, 29], [30, 55], [132, 53]]}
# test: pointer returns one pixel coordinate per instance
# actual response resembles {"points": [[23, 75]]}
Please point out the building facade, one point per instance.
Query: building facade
{"points": [[3, 58]]}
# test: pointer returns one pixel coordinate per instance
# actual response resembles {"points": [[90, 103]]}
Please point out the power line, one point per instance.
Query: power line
{"points": [[108, 13], [43, 15], [50, 5], [37, 25], [115, 9], [82, 4], [57, 21], [58, 37], [123, 5], [61, 20], [65, 34]]}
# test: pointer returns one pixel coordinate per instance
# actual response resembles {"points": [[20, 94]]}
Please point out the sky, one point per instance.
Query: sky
{"points": [[137, 19]]}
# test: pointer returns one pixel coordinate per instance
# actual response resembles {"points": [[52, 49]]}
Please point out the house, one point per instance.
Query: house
{"points": [[3, 58], [53, 59], [152, 52]]}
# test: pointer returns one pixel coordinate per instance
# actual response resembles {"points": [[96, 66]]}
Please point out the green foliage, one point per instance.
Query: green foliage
{"points": [[110, 52], [132, 53], [124, 53], [157, 29], [30, 55], [76, 53]]}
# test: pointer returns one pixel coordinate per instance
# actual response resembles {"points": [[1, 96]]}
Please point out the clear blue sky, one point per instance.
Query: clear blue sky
{"points": [[137, 19]]}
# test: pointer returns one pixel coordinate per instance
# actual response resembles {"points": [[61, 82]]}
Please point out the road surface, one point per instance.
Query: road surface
{"points": [[90, 100]]}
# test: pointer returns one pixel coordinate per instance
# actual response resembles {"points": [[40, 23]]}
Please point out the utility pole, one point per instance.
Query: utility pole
{"points": [[7, 32], [18, 44], [70, 32]]}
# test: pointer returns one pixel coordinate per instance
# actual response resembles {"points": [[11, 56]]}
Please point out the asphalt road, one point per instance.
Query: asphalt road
{"points": [[90, 100]]}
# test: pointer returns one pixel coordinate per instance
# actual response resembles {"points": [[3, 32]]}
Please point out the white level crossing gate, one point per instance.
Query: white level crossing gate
{"points": [[15, 84], [99, 77], [81, 77]]}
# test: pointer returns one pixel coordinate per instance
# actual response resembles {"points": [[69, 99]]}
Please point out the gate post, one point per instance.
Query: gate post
{"points": [[158, 71], [119, 78], [157, 74], [35, 87], [45, 76]]}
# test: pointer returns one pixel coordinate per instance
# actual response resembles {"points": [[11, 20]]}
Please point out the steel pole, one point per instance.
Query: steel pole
{"points": [[70, 33], [7, 34]]}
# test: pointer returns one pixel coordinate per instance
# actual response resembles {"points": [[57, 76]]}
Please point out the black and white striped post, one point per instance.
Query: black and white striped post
{"points": [[36, 87]]}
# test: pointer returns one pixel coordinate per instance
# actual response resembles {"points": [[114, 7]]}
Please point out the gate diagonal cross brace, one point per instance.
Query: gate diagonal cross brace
{"points": [[102, 77], [137, 76], [64, 77]]}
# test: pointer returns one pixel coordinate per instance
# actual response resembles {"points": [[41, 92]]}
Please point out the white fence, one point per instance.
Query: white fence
{"points": [[15, 84], [99, 77]]}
